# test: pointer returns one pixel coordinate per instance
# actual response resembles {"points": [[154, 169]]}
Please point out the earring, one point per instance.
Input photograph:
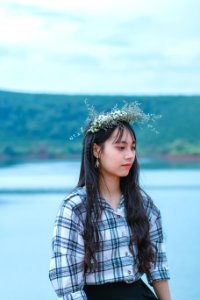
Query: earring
{"points": [[97, 163]]}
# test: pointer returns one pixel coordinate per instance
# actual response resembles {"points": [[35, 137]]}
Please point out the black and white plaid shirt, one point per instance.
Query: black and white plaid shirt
{"points": [[115, 262]]}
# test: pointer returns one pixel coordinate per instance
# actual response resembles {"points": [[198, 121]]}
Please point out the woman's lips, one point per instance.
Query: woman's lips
{"points": [[127, 166]]}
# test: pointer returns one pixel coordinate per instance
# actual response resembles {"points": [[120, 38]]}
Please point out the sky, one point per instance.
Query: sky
{"points": [[123, 47]]}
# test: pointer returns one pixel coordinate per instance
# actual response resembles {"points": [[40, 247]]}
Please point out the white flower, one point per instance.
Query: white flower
{"points": [[129, 113]]}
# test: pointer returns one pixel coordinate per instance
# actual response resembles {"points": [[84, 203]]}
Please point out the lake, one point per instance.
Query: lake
{"points": [[30, 194]]}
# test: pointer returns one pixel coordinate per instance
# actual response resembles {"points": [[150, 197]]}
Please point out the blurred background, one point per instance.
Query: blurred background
{"points": [[54, 56]]}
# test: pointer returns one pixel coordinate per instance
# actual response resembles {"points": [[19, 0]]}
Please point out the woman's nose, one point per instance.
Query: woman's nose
{"points": [[130, 154]]}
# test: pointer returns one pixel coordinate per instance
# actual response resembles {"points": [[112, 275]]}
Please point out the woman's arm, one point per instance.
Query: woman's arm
{"points": [[161, 288], [158, 274], [67, 263]]}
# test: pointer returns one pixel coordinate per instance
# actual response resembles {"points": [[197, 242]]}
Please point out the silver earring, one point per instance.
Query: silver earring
{"points": [[97, 163]]}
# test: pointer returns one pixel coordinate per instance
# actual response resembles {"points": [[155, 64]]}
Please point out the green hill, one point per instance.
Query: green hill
{"points": [[40, 125]]}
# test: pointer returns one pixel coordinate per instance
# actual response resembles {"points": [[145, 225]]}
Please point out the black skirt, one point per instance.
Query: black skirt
{"points": [[119, 291]]}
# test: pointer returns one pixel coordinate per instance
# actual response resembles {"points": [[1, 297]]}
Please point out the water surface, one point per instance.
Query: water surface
{"points": [[30, 195]]}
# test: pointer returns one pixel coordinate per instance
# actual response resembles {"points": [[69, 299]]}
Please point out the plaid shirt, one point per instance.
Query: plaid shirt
{"points": [[115, 261]]}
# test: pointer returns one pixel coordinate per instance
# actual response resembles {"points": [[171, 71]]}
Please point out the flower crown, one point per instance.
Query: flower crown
{"points": [[130, 113]]}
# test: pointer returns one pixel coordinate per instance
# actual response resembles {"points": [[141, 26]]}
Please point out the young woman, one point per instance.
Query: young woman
{"points": [[108, 232]]}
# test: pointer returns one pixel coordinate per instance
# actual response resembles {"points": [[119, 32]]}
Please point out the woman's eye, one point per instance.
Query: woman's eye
{"points": [[121, 148]]}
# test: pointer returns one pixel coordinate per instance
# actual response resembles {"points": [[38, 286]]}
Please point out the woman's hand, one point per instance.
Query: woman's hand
{"points": [[161, 288]]}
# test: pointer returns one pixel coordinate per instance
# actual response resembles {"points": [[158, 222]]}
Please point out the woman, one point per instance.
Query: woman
{"points": [[108, 232]]}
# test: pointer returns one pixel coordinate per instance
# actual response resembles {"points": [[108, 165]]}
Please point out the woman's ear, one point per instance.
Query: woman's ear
{"points": [[96, 150]]}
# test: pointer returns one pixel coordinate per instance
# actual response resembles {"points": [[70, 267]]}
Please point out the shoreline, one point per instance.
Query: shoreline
{"points": [[179, 157], [163, 157]]}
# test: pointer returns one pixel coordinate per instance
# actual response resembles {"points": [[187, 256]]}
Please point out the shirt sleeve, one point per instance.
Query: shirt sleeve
{"points": [[159, 269], [67, 263]]}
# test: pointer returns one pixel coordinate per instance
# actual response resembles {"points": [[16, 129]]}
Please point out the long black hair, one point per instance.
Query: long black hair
{"points": [[133, 195]]}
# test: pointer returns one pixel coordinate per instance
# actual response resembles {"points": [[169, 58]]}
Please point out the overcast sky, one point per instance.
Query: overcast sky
{"points": [[100, 47]]}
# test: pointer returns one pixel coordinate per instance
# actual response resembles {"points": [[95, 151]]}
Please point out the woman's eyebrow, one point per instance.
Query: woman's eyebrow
{"points": [[124, 142]]}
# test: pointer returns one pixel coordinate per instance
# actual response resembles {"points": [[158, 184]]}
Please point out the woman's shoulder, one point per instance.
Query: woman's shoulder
{"points": [[75, 200], [150, 206]]}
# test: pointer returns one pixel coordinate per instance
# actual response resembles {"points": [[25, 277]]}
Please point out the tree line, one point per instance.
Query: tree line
{"points": [[40, 125]]}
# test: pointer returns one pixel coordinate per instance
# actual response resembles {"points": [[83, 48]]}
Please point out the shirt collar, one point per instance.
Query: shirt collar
{"points": [[106, 205]]}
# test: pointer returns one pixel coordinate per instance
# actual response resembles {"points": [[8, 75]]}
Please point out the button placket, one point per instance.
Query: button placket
{"points": [[123, 233], [129, 272]]}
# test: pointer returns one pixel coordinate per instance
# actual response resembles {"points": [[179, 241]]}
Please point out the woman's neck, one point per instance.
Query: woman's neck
{"points": [[110, 190]]}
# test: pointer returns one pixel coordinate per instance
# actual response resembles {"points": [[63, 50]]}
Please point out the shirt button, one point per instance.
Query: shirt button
{"points": [[123, 233], [126, 253], [129, 272]]}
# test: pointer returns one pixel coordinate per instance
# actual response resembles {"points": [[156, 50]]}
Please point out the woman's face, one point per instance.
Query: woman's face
{"points": [[117, 157]]}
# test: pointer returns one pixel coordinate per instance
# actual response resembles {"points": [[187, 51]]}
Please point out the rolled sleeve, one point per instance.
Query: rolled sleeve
{"points": [[159, 269], [67, 263]]}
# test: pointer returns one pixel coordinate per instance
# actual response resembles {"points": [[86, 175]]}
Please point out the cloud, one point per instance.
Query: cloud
{"points": [[17, 52], [21, 9], [75, 59], [122, 46]]}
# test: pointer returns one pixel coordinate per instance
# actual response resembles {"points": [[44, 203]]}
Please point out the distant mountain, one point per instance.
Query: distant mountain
{"points": [[40, 125]]}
